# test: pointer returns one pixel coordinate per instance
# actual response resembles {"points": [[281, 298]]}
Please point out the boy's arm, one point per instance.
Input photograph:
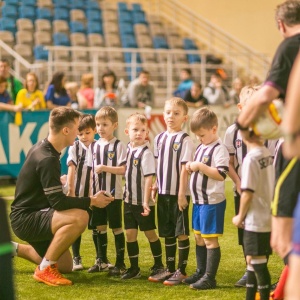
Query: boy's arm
{"points": [[233, 174], [71, 179], [246, 199], [211, 172], [183, 181], [147, 195], [119, 170]]}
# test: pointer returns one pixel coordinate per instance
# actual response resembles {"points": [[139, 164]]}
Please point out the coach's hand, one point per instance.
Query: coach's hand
{"points": [[101, 200]]}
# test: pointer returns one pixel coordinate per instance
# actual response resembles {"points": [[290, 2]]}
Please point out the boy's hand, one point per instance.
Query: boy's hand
{"points": [[63, 179], [146, 210], [188, 167], [195, 166], [182, 203], [99, 169], [237, 221], [154, 192]]}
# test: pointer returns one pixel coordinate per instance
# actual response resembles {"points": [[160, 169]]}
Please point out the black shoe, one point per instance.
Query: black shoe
{"points": [[117, 270], [100, 266], [242, 282], [156, 269], [193, 278], [131, 273], [205, 283]]}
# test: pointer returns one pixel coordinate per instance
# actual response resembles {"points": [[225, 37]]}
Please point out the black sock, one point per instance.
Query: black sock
{"points": [[251, 284], [213, 261], [95, 238], [133, 253], [76, 247], [201, 257], [183, 251], [263, 280], [102, 246], [170, 245], [156, 252], [120, 248]]}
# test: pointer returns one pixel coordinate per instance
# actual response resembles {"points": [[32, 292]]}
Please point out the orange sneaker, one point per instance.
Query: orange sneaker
{"points": [[51, 276], [257, 296]]}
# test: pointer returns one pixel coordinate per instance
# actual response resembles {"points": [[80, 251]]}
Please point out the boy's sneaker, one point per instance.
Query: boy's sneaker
{"points": [[131, 273], [242, 282], [117, 270], [205, 283], [77, 264], [193, 278], [100, 266], [51, 276], [161, 276], [175, 279], [156, 269]]}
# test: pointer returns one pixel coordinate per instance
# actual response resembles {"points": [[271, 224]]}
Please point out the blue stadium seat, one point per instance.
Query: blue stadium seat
{"points": [[44, 13], [93, 15], [160, 42], [125, 16], [40, 53], [27, 12], [139, 17], [10, 11], [61, 4], [77, 4], [8, 24], [128, 57], [61, 39], [193, 58], [61, 14], [189, 44], [136, 7], [126, 28], [29, 2], [92, 5], [137, 70], [94, 27], [76, 26], [12, 2], [128, 41], [122, 6]]}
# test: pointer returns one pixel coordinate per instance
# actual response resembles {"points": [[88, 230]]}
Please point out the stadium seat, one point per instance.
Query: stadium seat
{"points": [[77, 15], [42, 25], [189, 44], [175, 42], [128, 57], [29, 2], [25, 24], [139, 17], [156, 29], [128, 41], [92, 5], [113, 40], [141, 29], [10, 11], [45, 4], [138, 69], [78, 39], [125, 16], [42, 38], [61, 14], [28, 12], [122, 6], [61, 4], [109, 6], [148, 57], [61, 39], [8, 24], [136, 7], [160, 42], [25, 51], [44, 13], [77, 4], [109, 16], [126, 28], [144, 41], [93, 15], [95, 40], [12, 2], [24, 37], [40, 53], [7, 37], [110, 27], [193, 58], [76, 26], [94, 27], [60, 26], [115, 56]]}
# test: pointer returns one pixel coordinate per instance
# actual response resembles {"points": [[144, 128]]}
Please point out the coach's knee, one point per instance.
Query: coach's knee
{"points": [[80, 219]]}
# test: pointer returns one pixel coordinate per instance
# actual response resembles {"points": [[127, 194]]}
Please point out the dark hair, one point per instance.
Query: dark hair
{"points": [[3, 79], [203, 118], [62, 116], [108, 73], [6, 61], [188, 70], [288, 12], [197, 84], [36, 80], [144, 72], [87, 121], [57, 83]]}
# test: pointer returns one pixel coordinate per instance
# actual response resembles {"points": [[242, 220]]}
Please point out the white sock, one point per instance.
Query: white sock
{"points": [[45, 263], [15, 248]]}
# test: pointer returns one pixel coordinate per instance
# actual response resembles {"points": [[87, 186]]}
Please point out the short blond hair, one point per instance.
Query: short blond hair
{"points": [[203, 118], [178, 101], [107, 112], [136, 117], [87, 80]]}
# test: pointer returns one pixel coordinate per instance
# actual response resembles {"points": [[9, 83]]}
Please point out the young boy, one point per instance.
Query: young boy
{"points": [[208, 172], [172, 149], [139, 210], [257, 186], [108, 161], [79, 173]]}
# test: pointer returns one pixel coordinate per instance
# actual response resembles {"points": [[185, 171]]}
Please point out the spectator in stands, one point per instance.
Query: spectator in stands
{"points": [[140, 91], [194, 96], [78, 101], [4, 95], [216, 93], [253, 80], [56, 94], [107, 93], [235, 91], [185, 84], [14, 85], [86, 89]]}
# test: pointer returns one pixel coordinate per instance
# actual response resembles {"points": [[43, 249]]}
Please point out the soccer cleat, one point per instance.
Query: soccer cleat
{"points": [[205, 283], [51, 276], [100, 266], [117, 270], [131, 273], [271, 297], [77, 264], [242, 282], [175, 279], [156, 269], [193, 278], [161, 276]]}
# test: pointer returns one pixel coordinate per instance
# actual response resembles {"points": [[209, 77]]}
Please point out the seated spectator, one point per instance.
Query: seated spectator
{"points": [[185, 84], [56, 94], [86, 89], [4, 95], [216, 93], [78, 101], [140, 91], [107, 93], [253, 80], [194, 96], [14, 85], [234, 93]]}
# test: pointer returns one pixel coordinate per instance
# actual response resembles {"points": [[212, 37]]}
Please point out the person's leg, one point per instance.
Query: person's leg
{"points": [[251, 286], [120, 246], [27, 252], [292, 291], [155, 246]]}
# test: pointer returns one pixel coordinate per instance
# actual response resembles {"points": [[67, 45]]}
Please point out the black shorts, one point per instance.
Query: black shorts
{"points": [[171, 221], [34, 228], [257, 243], [287, 185], [134, 220], [237, 198], [112, 214]]}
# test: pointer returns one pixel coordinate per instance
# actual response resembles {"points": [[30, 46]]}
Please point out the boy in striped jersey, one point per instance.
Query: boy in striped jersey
{"points": [[79, 173], [108, 158], [208, 172], [139, 210], [172, 149]]}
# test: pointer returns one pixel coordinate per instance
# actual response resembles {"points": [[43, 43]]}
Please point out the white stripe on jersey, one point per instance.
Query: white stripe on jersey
{"points": [[140, 164], [205, 190], [171, 151], [112, 154], [78, 155]]}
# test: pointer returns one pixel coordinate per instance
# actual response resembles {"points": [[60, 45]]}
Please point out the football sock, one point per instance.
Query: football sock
{"points": [[15, 248], [95, 238], [201, 257], [170, 246], [279, 291], [213, 261], [183, 251], [45, 263], [76, 247], [251, 284], [133, 253], [263, 277], [102, 245], [120, 248], [156, 252]]}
